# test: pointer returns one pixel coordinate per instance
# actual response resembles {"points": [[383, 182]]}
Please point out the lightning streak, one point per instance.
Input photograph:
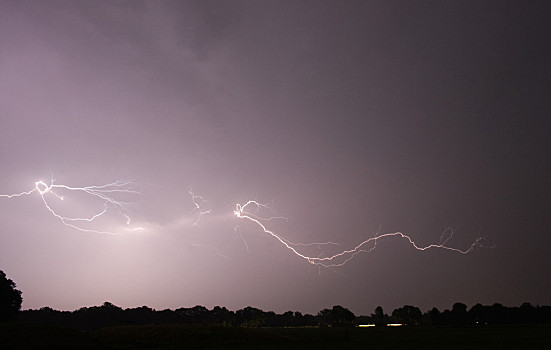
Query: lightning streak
{"points": [[201, 207], [103, 192], [211, 247], [249, 211]]}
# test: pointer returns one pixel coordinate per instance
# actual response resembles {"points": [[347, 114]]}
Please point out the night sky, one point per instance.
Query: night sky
{"points": [[348, 118]]}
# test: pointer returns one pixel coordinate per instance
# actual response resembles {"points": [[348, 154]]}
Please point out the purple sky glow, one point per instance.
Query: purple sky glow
{"points": [[348, 118]]}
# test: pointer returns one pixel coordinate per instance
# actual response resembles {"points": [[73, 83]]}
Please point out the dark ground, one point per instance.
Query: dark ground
{"points": [[35, 336]]}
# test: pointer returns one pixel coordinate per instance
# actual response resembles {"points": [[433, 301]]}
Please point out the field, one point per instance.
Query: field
{"points": [[34, 336]]}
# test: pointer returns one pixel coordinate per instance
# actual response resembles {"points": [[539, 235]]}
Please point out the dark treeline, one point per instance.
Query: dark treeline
{"points": [[111, 315]]}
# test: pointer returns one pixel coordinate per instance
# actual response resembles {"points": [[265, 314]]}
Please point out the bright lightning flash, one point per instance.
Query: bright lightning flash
{"points": [[104, 193], [249, 211]]}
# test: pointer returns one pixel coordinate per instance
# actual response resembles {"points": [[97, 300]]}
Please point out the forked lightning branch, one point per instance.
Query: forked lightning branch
{"points": [[105, 193]]}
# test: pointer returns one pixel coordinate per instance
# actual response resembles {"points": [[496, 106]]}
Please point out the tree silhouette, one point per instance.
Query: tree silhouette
{"points": [[459, 314], [407, 314], [379, 317], [222, 316], [338, 316], [432, 317], [10, 299], [250, 317]]}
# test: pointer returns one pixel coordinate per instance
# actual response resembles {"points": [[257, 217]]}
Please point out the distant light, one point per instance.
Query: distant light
{"points": [[366, 325], [139, 228], [396, 324]]}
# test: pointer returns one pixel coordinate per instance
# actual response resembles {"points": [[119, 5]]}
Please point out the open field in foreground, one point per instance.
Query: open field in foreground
{"points": [[34, 336]]}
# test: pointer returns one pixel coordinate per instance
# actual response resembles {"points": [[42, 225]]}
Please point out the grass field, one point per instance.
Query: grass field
{"points": [[34, 336]]}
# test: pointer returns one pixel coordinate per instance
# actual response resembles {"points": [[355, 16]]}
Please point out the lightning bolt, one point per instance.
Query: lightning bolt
{"points": [[202, 207], [104, 193], [249, 211]]}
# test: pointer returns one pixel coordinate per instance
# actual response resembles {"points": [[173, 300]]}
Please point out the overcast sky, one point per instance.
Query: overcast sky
{"points": [[349, 118]]}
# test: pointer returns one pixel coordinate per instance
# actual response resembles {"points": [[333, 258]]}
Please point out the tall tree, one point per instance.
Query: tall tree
{"points": [[10, 299]]}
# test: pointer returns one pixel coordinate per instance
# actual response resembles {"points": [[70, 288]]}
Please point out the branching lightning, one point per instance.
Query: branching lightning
{"points": [[202, 207], [252, 211], [249, 211], [105, 193]]}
